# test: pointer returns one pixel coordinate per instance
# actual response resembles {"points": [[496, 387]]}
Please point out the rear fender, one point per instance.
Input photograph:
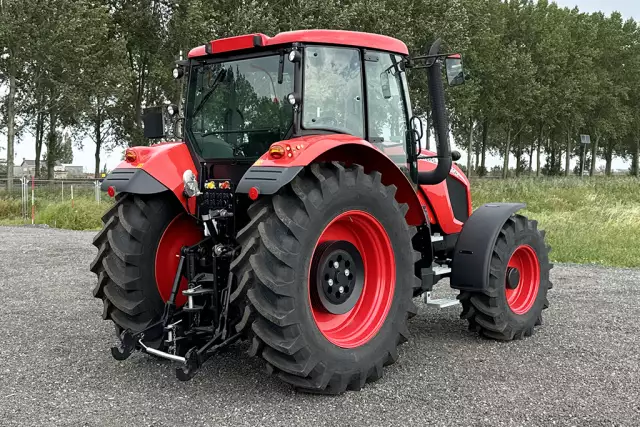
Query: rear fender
{"points": [[269, 175], [472, 254], [156, 169]]}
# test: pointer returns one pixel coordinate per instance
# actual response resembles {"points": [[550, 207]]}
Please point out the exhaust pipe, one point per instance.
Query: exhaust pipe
{"points": [[440, 125]]}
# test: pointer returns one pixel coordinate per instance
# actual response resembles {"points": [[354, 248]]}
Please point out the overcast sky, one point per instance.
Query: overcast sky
{"points": [[85, 157], [628, 8]]}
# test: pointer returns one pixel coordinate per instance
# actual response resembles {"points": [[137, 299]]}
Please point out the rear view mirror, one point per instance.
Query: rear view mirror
{"points": [[455, 71], [153, 122], [386, 86]]}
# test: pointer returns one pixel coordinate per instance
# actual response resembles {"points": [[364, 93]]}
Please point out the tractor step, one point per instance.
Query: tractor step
{"points": [[439, 302], [441, 271]]}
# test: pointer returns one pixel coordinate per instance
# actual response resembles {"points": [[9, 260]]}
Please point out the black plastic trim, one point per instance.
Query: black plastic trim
{"points": [[472, 254], [458, 198], [267, 179], [132, 180], [422, 243]]}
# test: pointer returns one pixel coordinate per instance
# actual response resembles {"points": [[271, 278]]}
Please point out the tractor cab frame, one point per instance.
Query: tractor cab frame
{"points": [[333, 83]]}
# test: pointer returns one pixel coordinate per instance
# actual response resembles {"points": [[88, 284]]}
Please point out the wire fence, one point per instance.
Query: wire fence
{"points": [[37, 192]]}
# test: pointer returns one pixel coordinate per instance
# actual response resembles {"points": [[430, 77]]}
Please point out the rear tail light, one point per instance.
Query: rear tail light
{"points": [[276, 151], [130, 156], [254, 193], [111, 191]]}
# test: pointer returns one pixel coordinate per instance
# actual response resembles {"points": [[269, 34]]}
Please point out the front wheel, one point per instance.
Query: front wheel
{"points": [[325, 278], [511, 306]]}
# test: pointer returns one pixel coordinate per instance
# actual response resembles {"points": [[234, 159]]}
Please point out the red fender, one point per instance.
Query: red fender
{"points": [[166, 162], [305, 150]]}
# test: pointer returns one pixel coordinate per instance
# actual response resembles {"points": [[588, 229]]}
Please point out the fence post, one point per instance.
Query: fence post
{"points": [[71, 195], [23, 198], [33, 200], [62, 193]]}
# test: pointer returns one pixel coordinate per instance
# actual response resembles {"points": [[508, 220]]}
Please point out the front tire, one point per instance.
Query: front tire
{"points": [[339, 340], [511, 306]]}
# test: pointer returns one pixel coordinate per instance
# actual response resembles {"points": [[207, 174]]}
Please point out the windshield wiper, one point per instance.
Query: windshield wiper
{"points": [[226, 132], [213, 87]]}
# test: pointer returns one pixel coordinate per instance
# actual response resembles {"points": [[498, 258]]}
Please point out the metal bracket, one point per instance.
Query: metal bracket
{"points": [[439, 302]]}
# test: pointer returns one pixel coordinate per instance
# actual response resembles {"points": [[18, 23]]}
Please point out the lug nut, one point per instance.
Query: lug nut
{"points": [[330, 282], [336, 264], [347, 272], [341, 289]]}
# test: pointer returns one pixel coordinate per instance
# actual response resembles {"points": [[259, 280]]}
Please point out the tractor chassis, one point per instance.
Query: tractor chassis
{"points": [[192, 333]]}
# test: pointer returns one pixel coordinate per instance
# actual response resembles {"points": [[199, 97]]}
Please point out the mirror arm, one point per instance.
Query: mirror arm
{"points": [[426, 58], [438, 55]]}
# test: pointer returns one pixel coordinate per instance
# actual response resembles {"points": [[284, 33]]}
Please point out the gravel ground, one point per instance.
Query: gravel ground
{"points": [[580, 368]]}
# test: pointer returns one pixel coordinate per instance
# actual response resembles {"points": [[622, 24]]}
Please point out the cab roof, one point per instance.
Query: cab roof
{"points": [[331, 37]]}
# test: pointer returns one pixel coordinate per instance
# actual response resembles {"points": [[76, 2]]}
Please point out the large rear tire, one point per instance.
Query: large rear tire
{"points": [[511, 306], [140, 234], [316, 336]]}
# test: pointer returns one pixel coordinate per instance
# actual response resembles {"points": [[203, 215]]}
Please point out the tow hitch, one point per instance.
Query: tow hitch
{"points": [[193, 333]]}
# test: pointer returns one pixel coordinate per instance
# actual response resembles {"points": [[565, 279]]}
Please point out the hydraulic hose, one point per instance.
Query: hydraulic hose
{"points": [[440, 125]]}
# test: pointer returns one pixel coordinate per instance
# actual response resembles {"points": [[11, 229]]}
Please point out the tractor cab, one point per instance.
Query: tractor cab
{"points": [[244, 94]]}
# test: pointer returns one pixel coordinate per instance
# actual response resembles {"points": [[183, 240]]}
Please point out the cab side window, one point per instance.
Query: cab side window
{"points": [[385, 98], [333, 90]]}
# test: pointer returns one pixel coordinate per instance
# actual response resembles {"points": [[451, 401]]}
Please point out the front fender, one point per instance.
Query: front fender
{"points": [[472, 254], [156, 169], [269, 175]]}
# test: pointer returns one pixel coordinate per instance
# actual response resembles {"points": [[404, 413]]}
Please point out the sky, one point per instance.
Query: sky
{"points": [[85, 156], [628, 8]]}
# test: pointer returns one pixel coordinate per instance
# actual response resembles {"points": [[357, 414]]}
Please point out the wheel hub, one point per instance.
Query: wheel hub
{"points": [[522, 279], [339, 275], [513, 278]]}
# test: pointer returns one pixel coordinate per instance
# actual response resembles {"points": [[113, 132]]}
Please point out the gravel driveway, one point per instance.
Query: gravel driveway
{"points": [[580, 368]]}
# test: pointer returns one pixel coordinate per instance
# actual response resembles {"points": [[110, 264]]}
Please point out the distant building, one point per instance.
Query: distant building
{"points": [[26, 168], [61, 171]]}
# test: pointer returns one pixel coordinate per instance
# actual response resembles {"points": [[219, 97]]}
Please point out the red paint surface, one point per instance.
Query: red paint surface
{"points": [[522, 298], [438, 196], [349, 149], [360, 324], [166, 162], [334, 37], [182, 231]]}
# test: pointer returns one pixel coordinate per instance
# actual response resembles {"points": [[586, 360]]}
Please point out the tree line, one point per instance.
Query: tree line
{"points": [[539, 75]]}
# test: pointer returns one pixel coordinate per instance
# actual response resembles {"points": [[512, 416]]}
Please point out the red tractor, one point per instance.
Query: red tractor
{"points": [[302, 214]]}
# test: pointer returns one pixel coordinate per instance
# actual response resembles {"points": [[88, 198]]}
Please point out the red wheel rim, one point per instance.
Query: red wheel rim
{"points": [[182, 231], [522, 297], [360, 324]]}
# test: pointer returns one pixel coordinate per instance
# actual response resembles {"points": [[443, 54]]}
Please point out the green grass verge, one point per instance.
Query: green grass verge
{"points": [[595, 220], [84, 215]]}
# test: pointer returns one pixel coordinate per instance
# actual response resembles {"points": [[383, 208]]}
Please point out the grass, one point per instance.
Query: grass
{"points": [[85, 213], [595, 220]]}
